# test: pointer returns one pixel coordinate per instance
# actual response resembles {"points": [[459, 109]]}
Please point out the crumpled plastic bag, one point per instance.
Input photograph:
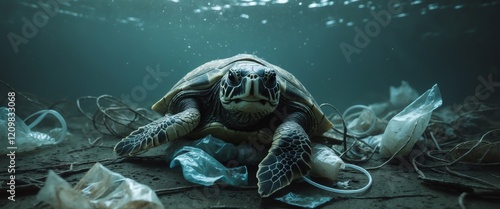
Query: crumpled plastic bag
{"points": [[363, 122], [201, 168], [325, 162], [402, 95], [409, 124], [243, 154], [311, 201], [99, 188], [26, 139]]}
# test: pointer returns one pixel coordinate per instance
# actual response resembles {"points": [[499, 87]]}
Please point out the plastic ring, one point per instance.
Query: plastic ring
{"points": [[44, 113], [343, 191], [373, 123]]}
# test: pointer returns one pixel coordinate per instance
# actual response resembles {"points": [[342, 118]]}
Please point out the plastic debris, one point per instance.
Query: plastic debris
{"points": [[201, 168], [373, 141], [476, 152], [243, 154], [28, 139], [312, 201], [408, 125], [344, 191], [344, 184], [402, 95], [99, 188], [360, 123], [325, 162]]}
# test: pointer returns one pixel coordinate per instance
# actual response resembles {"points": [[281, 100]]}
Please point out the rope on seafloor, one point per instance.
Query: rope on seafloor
{"points": [[112, 116]]}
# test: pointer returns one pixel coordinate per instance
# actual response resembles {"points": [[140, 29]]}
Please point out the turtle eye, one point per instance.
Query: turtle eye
{"points": [[271, 80], [233, 79]]}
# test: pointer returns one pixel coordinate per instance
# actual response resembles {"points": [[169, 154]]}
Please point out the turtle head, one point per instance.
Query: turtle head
{"points": [[250, 90]]}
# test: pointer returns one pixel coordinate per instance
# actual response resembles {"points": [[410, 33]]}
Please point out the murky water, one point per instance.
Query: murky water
{"points": [[345, 52]]}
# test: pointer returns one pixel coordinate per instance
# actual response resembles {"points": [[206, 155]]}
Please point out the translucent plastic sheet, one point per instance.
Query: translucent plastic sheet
{"points": [[404, 128], [26, 139], [243, 154], [99, 188], [325, 162], [402, 95], [312, 201], [201, 168]]}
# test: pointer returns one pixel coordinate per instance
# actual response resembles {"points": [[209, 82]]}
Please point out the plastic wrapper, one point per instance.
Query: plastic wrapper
{"points": [[380, 109], [373, 141], [243, 154], [364, 122], [201, 168], [99, 188], [200, 160], [409, 124], [402, 95], [325, 162], [26, 139], [312, 201]]}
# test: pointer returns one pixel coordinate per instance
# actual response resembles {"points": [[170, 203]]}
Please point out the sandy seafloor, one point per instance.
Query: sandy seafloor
{"points": [[394, 186]]}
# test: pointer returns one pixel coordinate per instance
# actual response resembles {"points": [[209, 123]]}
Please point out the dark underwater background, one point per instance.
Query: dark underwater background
{"points": [[94, 47]]}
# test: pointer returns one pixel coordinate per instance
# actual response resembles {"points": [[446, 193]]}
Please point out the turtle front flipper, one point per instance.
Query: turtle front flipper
{"points": [[165, 129], [289, 158]]}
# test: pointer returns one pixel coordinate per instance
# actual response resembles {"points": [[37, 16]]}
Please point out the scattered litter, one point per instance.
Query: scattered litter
{"points": [[26, 138], [201, 160], [362, 123], [99, 188], [201, 168], [325, 163], [344, 191], [243, 154], [373, 141], [343, 184], [476, 152], [112, 116], [402, 95], [309, 201], [407, 126]]}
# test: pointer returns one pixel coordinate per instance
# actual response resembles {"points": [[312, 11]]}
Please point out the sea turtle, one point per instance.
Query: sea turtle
{"points": [[240, 99]]}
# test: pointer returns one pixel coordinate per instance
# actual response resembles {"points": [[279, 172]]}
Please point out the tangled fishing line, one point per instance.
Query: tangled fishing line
{"points": [[111, 116]]}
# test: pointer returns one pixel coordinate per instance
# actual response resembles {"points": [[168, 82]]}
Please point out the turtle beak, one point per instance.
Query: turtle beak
{"points": [[252, 88]]}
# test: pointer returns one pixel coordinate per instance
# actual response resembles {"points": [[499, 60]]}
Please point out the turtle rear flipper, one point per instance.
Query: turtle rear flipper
{"points": [[165, 129], [289, 158]]}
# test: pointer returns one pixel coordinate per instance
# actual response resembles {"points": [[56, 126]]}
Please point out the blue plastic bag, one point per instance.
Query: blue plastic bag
{"points": [[243, 154], [201, 168]]}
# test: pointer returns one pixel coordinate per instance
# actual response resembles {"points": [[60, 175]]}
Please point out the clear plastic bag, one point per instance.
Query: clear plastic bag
{"points": [[409, 124], [99, 188], [243, 154], [402, 95], [26, 139], [325, 162], [309, 201], [201, 168], [200, 160]]}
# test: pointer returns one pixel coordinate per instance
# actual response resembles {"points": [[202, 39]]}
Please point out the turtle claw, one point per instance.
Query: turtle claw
{"points": [[288, 159]]}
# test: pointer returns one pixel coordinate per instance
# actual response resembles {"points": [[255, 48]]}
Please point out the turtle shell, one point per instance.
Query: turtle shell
{"points": [[206, 75]]}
